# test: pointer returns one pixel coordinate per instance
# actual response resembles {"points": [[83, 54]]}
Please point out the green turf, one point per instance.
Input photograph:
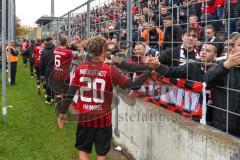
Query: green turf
{"points": [[31, 131]]}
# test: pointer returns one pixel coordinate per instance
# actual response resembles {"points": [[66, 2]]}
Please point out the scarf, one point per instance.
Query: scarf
{"points": [[183, 58]]}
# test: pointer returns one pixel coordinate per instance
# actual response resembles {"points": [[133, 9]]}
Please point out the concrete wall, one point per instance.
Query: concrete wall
{"points": [[148, 132]]}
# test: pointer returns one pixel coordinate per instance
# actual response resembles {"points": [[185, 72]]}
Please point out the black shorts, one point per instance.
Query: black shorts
{"points": [[101, 137]]}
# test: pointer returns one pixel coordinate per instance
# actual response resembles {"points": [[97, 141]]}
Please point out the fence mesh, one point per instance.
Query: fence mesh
{"points": [[177, 27]]}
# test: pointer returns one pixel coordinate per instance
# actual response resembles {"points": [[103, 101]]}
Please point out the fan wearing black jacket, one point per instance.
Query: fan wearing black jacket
{"points": [[222, 75], [179, 55], [30, 54], [47, 66], [195, 70]]}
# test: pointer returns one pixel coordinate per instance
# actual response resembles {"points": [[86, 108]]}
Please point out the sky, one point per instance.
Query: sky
{"points": [[30, 10]]}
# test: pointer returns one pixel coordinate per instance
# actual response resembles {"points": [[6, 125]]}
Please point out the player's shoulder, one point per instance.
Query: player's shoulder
{"points": [[36, 48], [106, 66], [63, 50], [68, 51], [112, 69], [83, 65]]}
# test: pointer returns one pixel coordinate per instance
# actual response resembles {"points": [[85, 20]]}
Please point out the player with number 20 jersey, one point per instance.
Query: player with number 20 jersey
{"points": [[94, 81]]}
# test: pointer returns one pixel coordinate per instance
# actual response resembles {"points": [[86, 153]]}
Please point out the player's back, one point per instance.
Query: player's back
{"points": [[37, 52], [61, 56], [95, 81]]}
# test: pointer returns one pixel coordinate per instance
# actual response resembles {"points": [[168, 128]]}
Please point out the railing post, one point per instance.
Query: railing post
{"points": [[88, 20], [129, 24], [57, 29], [69, 26], [4, 104]]}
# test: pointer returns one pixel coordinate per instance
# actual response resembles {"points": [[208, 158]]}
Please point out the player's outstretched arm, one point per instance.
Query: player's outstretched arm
{"points": [[154, 63], [129, 84], [162, 70], [122, 64], [62, 106]]}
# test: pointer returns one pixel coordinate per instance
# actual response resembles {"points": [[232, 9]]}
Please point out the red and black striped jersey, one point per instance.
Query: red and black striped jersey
{"points": [[61, 56], [95, 81], [24, 46], [37, 52]]}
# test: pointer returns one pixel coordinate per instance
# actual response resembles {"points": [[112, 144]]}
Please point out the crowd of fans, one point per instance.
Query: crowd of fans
{"points": [[169, 17], [197, 40]]}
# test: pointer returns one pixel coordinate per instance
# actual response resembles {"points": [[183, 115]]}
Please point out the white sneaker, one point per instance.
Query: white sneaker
{"points": [[46, 102]]}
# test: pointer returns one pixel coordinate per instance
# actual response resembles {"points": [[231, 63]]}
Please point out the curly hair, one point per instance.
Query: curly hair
{"points": [[95, 45]]}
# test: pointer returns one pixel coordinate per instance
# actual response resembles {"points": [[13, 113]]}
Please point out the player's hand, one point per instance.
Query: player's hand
{"points": [[62, 118], [152, 62], [116, 59]]}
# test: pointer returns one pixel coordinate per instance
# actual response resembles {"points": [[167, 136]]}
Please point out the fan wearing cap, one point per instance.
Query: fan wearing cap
{"points": [[94, 80]]}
